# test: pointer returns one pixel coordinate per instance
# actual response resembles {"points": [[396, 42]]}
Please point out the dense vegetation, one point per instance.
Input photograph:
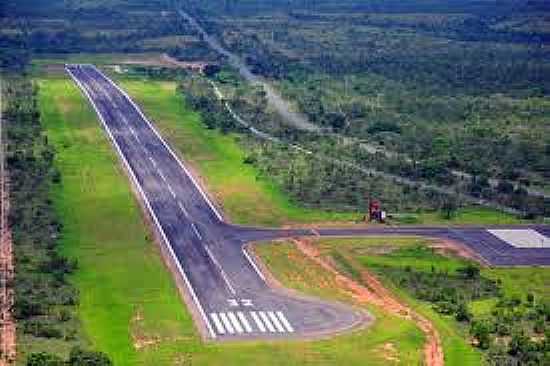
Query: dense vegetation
{"points": [[309, 179], [45, 300], [454, 93]]}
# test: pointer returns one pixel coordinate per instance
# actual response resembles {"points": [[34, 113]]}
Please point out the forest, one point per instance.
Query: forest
{"points": [[459, 99]]}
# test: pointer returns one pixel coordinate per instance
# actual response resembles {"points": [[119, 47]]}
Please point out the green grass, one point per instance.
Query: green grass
{"points": [[246, 198], [463, 216], [371, 253], [126, 292]]}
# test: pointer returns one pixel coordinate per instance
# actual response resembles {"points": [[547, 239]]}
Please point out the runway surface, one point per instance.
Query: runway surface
{"points": [[228, 292]]}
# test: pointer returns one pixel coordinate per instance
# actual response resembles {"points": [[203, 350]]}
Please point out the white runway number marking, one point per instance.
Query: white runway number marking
{"points": [[240, 323]]}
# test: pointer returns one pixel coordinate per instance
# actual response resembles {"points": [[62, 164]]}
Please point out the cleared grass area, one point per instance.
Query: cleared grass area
{"points": [[463, 216], [129, 306]]}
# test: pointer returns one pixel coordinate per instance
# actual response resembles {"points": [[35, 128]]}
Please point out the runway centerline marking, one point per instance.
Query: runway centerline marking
{"points": [[217, 264], [196, 231], [153, 161], [183, 210]]}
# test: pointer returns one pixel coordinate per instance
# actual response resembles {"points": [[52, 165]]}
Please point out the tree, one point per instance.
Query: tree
{"points": [[44, 359], [462, 313], [470, 271], [80, 357], [449, 206], [482, 333]]}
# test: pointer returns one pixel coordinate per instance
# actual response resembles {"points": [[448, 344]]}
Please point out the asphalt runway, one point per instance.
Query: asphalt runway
{"points": [[230, 296]]}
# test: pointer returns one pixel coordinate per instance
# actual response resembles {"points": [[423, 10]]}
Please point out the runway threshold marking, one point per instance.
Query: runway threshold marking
{"points": [[237, 323], [276, 322], [258, 322], [227, 323], [217, 323], [245, 322], [266, 321], [285, 321]]}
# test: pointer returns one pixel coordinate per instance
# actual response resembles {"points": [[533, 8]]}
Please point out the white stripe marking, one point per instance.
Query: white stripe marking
{"points": [[217, 264], [258, 322], [245, 322], [276, 321], [285, 322], [134, 134], [147, 203], [183, 210], [153, 161], [235, 322], [161, 175], [217, 323], [196, 231], [267, 322], [258, 272], [227, 323], [171, 190]]}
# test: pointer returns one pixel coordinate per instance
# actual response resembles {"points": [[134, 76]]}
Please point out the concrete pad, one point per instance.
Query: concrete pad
{"points": [[520, 238]]}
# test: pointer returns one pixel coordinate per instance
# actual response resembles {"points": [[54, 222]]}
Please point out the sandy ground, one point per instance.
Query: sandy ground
{"points": [[375, 293]]}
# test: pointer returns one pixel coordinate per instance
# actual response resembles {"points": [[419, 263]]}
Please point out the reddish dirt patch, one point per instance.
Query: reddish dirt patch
{"points": [[7, 325], [372, 291], [448, 247]]}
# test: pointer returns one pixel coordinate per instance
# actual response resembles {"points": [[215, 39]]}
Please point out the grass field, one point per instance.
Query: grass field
{"points": [[128, 298]]}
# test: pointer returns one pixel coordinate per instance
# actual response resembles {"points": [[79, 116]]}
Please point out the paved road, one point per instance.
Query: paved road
{"points": [[229, 294]]}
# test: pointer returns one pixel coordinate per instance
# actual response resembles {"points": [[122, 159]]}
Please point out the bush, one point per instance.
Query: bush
{"points": [[44, 359], [80, 357]]}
